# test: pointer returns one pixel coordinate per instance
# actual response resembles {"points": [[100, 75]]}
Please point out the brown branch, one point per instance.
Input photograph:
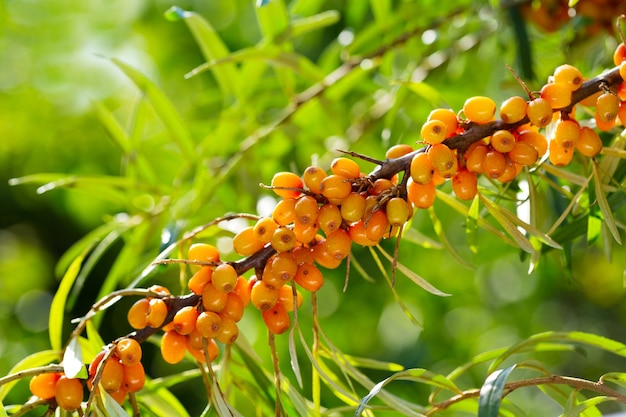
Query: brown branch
{"points": [[577, 383]]}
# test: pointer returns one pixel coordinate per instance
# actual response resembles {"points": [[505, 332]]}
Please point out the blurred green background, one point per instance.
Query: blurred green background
{"points": [[56, 70]]}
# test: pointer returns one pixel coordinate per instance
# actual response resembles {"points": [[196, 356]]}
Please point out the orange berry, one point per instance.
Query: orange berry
{"points": [[225, 277], [479, 109], [200, 279], [398, 211], [43, 385], [447, 116], [156, 313], [242, 290], [620, 54], [306, 209], [345, 167], [441, 157], [566, 133], [335, 188], [353, 207], [264, 229], [138, 314], [622, 71], [305, 233], [283, 265], [263, 296], [119, 396], [396, 151], [158, 289], [229, 331], [422, 169], [287, 184], [184, 321], [68, 393], [539, 112], [329, 218], [381, 185], [245, 242], [523, 153], [128, 351], [464, 184], [277, 319], [213, 299], [502, 141], [434, 131], [338, 244], [535, 139], [568, 75], [303, 254], [285, 212], [510, 172], [324, 257], [283, 239], [173, 347], [208, 324], [286, 297], [203, 252], [308, 277], [560, 156], [312, 178], [421, 195], [474, 158], [558, 95], [513, 109], [494, 164], [356, 231], [376, 225], [607, 107], [589, 142], [194, 339], [112, 375], [233, 308], [134, 377]]}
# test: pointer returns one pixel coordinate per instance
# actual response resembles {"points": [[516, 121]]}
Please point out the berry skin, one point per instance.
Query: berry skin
{"points": [[134, 377], [283, 239], [305, 233], [566, 133], [434, 131], [447, 116], [288, 184], [494, 164], [398, 211], [128, 351], [345, 167], [510, 172], [233, 308], [43, 385], [558, 95], [568, 75], [560, 156], [441, 157], [213, 299], [173, 347], [396, 151], [245, 242], [523, 153], [262, 296], [200, 279], [203, 252], [607, 107], [376, 225], [264, 229], [242, 290], [421, 195], [225, 277], [286, 298], [464, 185], [277, 319], [208, 324], [539, 112], [589, 143], [622, 71], [535, 139], [184, 321], [329, 218], [335, 188], [356, 231], [380, 185], [353, 207], [422, 169], [479, 109], [69, 393], [338, 244], [156, 313], [620, 54], [513, 109], [113, 373], [138, 313], [285, 212], [308, 277], [474, 158], [229, 331], [283, 266], [312, 178], [502, 141], [306, 209]]}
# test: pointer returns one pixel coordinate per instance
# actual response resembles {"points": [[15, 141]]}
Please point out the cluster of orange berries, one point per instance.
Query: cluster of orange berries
{"points": [[501, 155], [122, 373]]}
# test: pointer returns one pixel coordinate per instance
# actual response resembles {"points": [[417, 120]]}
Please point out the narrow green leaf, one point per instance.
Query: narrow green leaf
{"points": [[3, 412], [441, 234], [509, 227], [31, 361], [618, 378], [381, 10], [308, 24], [96, 342], [73, 365], [293, 357], [413, 276], [161, 402], [369, 363], [429, 93], [273, 19], [491, 392], [111, 407], [164, 108], [471, 224], [607, 213], [411, 234], [113, 128], [57, 308], [587, 408]]}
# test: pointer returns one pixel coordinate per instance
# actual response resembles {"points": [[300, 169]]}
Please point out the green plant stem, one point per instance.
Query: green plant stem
{"points": [[577, 383]]}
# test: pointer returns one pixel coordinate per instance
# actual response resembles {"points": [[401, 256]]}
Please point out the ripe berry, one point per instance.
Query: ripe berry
{"points": [[302, 254], [421, 195], [286, 297], [434, 131], [494, 164], [312, 178], [263, 296], [245, 242], [68, 393], [305, 233], [376, 225], [441, 157], [112, 375], [203, 252], [335, 188], [43, 385], [568, 75], [345, 167], [381, 185], [306, 209], [283, 239], [284, 266], [447, 116], [474, 158], [589, 143], [353, 207], [607, 107], [535, 139], [264, 229], [510, 172], [277, 319], [285, 212], [134, 377], [233, 308], [119, 396], [156, 313], [138, 314], [208, 324], [308, 277], [539, 112], [479, 109], [523, 154], [173, 347], [558, 95], [229, 331], [213, 299], [620, 54], [560, 156], [287, 184], [502, 141], [338, 244], [464, 184], [329, 218], [421, 168], [184, 321], [622, 71], [398, 211], [225, 277], [396, 151], [200, 279], [513, 109], [128, 351], [242, 290], [566, 133]]}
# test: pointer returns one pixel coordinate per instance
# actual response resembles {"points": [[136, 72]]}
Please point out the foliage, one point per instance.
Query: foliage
{"points": [[537, 276]]}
